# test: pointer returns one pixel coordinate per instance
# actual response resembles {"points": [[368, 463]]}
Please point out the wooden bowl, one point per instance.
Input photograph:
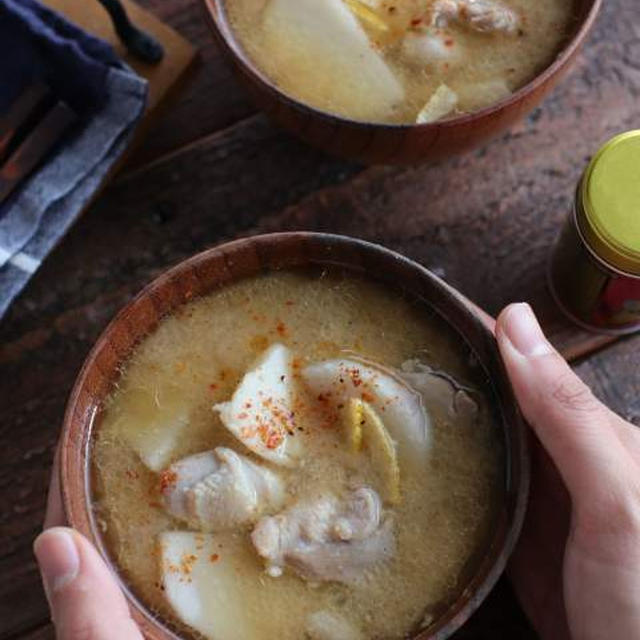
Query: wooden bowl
{"points": [[396, 144], [247, 257]]}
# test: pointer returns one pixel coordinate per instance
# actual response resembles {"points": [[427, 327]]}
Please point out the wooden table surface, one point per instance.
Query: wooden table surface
{"points": [[213, 169]]}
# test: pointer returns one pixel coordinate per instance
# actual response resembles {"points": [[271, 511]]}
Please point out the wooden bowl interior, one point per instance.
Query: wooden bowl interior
{"points": [[248, 257]]}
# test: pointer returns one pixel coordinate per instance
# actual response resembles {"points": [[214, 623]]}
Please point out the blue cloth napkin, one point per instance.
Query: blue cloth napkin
{"points": [[37, 43]]}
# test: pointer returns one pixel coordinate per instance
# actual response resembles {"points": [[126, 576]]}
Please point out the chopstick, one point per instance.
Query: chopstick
{"points": [[28, 131]]}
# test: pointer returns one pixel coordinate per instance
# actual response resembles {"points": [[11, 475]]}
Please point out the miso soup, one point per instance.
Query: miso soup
{"points": [[299, 455], [400, 61]]}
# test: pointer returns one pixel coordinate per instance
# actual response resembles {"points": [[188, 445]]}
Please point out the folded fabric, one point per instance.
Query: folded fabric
{"points": [[38, 44]]}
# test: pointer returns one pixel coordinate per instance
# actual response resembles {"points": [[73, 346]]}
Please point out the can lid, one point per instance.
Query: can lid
{"points": [[610, 194]]}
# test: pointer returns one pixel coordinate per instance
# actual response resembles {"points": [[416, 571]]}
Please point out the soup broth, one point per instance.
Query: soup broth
{"points": [[400, 61], [437, 505]]}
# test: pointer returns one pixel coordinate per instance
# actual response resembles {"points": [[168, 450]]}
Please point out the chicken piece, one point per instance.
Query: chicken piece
{"points": [[353, 75], [441, 393], [218, 490], [326, 538], [203, 586], [441, 104], [400, 407], [260, 412], [486, 16], [431, 49], [326, 625]]}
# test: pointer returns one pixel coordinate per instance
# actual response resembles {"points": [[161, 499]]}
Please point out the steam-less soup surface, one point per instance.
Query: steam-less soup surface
{"points": [[299, 455], [400, 61]]}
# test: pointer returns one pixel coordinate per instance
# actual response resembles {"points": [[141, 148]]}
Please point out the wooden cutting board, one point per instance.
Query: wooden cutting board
{"points": [[162, 77]]}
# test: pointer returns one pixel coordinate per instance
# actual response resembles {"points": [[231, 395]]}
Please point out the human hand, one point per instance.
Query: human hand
{"points": [[576, 568], [85, 599]]}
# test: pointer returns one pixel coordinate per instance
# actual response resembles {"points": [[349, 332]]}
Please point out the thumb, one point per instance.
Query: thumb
{"points": [[84, 596], [573, 426]]}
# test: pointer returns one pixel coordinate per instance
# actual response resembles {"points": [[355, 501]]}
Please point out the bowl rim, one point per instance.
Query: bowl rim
{"points": [[217, 15], [78, 425]]}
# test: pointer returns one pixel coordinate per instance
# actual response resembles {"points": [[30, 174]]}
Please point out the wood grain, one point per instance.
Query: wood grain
{"points": [[210, 171]]}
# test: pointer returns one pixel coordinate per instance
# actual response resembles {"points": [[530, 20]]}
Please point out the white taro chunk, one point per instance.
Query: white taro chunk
{"points": [[201, 583], [219, 490], [442, 103], [327, 538], [154, 424], [326, 625], [260, 413], [399, 406], [324, 50]]}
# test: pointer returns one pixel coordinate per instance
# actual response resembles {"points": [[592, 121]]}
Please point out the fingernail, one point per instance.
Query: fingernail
{"points": [[524, 332], [57, 557]]}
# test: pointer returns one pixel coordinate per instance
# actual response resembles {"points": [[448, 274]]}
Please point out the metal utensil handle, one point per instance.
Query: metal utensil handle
{"points": [[138, 42]]}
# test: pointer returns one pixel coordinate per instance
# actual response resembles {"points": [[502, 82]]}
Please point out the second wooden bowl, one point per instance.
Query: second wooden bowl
{"points": [[396, 144]]}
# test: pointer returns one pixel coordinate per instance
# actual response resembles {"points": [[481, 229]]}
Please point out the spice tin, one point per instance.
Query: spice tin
{"points": [[594, 272]]}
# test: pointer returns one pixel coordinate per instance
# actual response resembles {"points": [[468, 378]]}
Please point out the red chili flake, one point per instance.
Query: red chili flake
{"points": [[213, 386], [449, 42], [281, 328], [367, 397], [289, 303], [415, 22], [187, 562], [214, 557], [271, 438], [274, 440], [168, 479]]}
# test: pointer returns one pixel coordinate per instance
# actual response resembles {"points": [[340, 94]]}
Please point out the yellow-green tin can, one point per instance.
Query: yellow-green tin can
{"points": [[594, 272]]}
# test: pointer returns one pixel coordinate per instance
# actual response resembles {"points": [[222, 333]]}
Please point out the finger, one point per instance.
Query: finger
{"points": [[85, 599], [575, 428], [54, 517], [629, 436]]}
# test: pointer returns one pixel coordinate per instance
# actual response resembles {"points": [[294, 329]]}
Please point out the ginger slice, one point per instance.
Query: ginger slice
{"points": [[367, 15], [366, 432]]}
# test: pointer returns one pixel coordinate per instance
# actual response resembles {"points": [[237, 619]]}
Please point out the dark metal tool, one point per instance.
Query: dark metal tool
{"points": [[138, 42], [31, 127]]}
